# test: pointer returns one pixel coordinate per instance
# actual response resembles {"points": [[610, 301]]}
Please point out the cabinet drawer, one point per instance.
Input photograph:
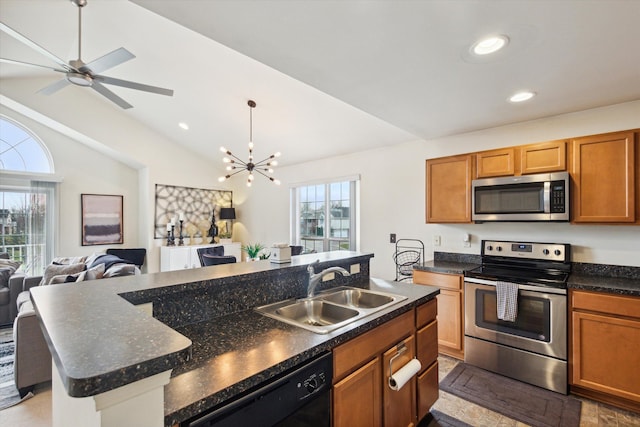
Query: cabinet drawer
{"points": [[449, 281], [426, 313], [606, 303], [427, 390], [427, 344], [350, 355]]}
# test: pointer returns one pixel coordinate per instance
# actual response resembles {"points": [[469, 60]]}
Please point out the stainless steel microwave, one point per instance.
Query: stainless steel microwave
{"points": [[540, 197]]}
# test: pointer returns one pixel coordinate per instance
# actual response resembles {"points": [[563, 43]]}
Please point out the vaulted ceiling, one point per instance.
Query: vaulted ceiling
{"points": [[337, 76]]}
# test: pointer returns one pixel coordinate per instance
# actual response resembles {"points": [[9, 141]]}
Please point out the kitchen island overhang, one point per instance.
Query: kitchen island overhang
{"points": [[138, 346]]}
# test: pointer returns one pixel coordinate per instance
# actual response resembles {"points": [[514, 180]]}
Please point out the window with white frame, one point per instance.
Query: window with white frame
{"points": [[325, 215], [27, 197]]}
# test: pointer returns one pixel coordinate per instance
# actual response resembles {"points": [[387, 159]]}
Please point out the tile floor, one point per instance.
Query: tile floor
{"points": [[593, 414], [36, 412]]}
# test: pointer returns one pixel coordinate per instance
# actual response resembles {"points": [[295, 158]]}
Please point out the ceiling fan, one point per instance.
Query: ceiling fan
{"points": [[81, 74]]}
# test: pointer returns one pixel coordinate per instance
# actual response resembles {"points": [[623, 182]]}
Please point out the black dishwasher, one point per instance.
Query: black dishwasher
{"points": [[298, 398]]}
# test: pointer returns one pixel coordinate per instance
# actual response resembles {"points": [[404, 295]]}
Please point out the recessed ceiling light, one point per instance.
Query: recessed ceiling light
{"points": [[490, 44], [522, 96], [183, 125]]}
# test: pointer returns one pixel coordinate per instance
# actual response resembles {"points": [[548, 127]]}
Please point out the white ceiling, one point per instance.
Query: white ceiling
{"points": [[338, 76]]}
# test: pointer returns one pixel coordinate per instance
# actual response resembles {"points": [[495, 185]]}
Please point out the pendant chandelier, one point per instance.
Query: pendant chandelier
{"points": [[262, 167]]}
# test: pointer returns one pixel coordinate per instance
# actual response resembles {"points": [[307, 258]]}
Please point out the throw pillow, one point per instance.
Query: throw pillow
{"points": [[10, 263], [56, 270], [117, 270], [91, 274], [4, 255], [69, 260]]}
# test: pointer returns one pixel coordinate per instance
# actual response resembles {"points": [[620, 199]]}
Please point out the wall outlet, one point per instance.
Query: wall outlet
{"points": [[392, 238], [329, 276], [436, 240], [466, 240], [354, 269]]}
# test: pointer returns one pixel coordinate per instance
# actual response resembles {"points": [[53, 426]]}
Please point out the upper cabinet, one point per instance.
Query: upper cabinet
{"points": [[604, 178], [496, 163], [522, 160], [544, 157], [448, 184]]}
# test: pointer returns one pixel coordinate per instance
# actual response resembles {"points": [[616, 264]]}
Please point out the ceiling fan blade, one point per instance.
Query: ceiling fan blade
{"points": [[54, 87], [134, 85], [28, 64], [109, 60], [110, 95], [33, 45]]}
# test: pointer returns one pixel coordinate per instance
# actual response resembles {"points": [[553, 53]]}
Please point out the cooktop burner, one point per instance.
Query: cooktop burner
{"points": [[541, 264], [519, 275]]}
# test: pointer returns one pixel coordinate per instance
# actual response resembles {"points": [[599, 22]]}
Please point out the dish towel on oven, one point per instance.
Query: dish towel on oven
{"points": [[507, 296]]}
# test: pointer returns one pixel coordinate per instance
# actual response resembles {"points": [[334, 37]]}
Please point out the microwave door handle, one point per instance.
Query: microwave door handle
{"points": [[546, 198]]}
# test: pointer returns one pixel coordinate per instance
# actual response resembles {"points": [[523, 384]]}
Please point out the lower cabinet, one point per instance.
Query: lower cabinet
{"points": [[450, 310], [605, 348], [357, 399], [361, 392]]}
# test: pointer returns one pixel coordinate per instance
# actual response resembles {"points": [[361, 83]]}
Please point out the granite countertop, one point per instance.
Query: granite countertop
{"points": [[99, 341], [234, 353], [445, 267], [613, 285]]}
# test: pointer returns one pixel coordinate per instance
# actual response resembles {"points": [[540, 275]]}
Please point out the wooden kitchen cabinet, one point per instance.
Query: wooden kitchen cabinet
{"points": [[544, 157], [399, 405], [603, 172], [427, 353], [361, 394], [359, 390], [604, 353], [450, 310], [500, 162], [448, 184]]}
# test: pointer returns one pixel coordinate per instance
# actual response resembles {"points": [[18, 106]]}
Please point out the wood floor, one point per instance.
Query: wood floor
{"points": [[36, 412]]}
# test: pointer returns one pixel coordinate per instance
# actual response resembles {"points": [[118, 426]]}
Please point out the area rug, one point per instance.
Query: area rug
{"points": [[9, 394], [522, 402]]}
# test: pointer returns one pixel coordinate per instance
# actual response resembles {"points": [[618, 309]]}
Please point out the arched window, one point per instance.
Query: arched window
{"points": [[27, 197], [21, 150]]}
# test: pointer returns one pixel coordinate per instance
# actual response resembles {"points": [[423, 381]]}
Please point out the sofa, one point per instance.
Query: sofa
{"points": [[32, 361], [10, 287]]}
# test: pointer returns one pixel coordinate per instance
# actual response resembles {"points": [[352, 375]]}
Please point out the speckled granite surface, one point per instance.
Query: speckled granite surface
{"points": [[210, 337], [100, 341], [614, 279], [234, 353], [450, 263]]}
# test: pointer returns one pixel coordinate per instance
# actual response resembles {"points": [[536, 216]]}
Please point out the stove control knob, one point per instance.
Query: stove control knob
{"points": [[545, 251], [489, 248], [498, 248], [557, 252]]}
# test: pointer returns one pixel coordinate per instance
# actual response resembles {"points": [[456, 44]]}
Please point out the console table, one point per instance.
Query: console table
{"points": [[183, 257]]}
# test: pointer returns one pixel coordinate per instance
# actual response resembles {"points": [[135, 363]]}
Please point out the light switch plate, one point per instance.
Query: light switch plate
{"points": [[436, 240], [328, 276], [354, 269]]}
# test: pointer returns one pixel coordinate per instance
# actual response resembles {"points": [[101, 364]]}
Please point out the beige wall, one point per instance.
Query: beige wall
{"points": [[392, 183], [393, 194]]}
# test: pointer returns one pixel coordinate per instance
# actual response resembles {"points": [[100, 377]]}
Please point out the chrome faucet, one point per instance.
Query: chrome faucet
{"points": [[315, 278]]}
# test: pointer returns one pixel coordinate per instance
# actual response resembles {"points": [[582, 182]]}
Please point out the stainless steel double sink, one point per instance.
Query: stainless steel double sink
{"points": [[331, 309]]}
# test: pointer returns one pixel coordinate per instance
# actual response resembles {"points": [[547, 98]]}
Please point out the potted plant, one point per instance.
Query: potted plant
{"points": [[253, 250]]}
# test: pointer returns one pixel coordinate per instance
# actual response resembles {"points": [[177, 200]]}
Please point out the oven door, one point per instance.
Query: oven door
{"points": [[541, 324]]}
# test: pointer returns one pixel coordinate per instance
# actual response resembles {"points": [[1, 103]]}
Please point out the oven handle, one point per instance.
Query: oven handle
{"points": [[520, 286]]}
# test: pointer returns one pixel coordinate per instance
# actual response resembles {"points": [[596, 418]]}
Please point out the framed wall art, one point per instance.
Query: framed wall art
{"points": [[102, 219], [196, 206]]}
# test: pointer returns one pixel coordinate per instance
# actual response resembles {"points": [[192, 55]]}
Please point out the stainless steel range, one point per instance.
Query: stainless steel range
{"points": [[530, 279]]}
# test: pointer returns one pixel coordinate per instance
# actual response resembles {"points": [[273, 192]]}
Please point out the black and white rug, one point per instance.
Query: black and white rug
{"points": [[9, 394]]}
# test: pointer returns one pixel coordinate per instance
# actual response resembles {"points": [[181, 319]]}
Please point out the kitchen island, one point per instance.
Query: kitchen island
{"points": [[204, 344]]}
